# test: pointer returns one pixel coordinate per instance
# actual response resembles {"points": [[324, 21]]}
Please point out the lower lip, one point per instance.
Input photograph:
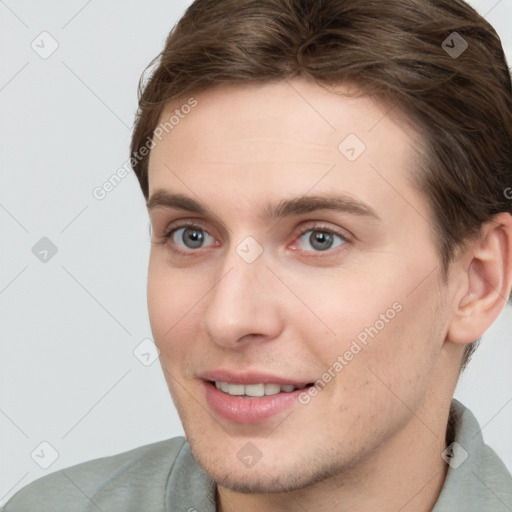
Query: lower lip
{"points": [[248, 410]]}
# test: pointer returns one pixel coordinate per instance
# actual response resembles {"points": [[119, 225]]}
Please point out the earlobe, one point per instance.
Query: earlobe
{"points": [[487, 281]]}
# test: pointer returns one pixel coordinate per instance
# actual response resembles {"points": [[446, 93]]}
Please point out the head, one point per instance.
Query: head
{"points": [[344, 169]]}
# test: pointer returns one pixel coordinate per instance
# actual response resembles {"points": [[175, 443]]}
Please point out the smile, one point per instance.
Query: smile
{"points": [[250, 403], [255, 390]]}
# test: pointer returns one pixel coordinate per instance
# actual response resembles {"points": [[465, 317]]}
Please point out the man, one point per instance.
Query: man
{"points": [[329, 188]]}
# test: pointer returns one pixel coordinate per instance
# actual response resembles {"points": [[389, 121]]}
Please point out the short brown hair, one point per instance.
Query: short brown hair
{"points": [[438, 60]]}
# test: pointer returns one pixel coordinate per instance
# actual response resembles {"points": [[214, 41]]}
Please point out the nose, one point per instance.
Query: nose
{"points": [[243, 305]]}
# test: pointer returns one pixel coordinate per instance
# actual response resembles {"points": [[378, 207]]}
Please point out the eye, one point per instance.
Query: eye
{"points": [[320, 240], [190, 237]]}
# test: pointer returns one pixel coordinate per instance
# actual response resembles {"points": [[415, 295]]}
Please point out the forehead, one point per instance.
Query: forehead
{"points": [[285, 137]]}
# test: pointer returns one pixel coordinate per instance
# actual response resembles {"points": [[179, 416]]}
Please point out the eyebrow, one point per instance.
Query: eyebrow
{"points": [[284, 208]]}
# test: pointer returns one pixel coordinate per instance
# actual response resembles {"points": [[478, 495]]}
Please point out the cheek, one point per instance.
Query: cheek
{"points": [[382, 330], [173, 297], [160, 298]]}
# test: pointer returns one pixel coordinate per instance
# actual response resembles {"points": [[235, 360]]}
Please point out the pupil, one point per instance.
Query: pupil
{"points": [[192, 238], [321, 240]]}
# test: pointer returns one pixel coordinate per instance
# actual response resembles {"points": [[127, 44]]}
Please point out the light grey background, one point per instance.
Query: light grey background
{"points": [[70, 325]]}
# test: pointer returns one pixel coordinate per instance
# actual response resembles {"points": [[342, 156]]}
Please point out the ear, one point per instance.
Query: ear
{"points": [[485, 283]]}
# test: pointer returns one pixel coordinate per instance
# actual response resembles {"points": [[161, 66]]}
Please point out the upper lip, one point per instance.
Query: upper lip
{"points": [[232, 377]]}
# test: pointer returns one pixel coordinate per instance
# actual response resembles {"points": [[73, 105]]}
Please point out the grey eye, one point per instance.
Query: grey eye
{"points": [[320, 240], [191, 237]]}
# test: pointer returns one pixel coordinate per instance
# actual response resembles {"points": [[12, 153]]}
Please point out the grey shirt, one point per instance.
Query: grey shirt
{"points": [[165, 477]]}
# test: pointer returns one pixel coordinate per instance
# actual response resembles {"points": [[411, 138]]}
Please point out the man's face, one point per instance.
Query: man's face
{"points": [[261, 290]]}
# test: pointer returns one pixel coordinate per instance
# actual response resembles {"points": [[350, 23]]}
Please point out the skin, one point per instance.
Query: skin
{"points": [[372, 438]]}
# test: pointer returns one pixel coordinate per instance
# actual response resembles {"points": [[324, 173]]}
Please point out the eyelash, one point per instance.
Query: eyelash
{"points": [[166, 238], [324, 229]]}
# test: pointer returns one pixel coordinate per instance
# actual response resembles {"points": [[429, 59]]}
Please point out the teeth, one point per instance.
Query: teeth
{"points": [[236, 389], [254, 390], [272, 389]]}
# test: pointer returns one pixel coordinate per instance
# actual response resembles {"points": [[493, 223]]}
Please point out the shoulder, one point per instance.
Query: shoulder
{"points": [[477, 479], [137, 477]]}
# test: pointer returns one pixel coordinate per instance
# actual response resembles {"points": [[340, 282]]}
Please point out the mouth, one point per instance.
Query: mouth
{"points": [[251, 403], [250, 397], [256, 390]]}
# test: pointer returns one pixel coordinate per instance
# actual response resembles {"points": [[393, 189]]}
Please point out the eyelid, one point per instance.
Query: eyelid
{"points": [[185, 223], [323, 226], [166, 238]]}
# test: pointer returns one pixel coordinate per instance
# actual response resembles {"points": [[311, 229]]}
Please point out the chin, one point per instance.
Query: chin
{"points": [[263, 478], [261, 482]]}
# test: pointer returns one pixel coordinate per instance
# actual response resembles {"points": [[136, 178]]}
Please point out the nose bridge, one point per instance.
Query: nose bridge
{"points": [[241, 302]]}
